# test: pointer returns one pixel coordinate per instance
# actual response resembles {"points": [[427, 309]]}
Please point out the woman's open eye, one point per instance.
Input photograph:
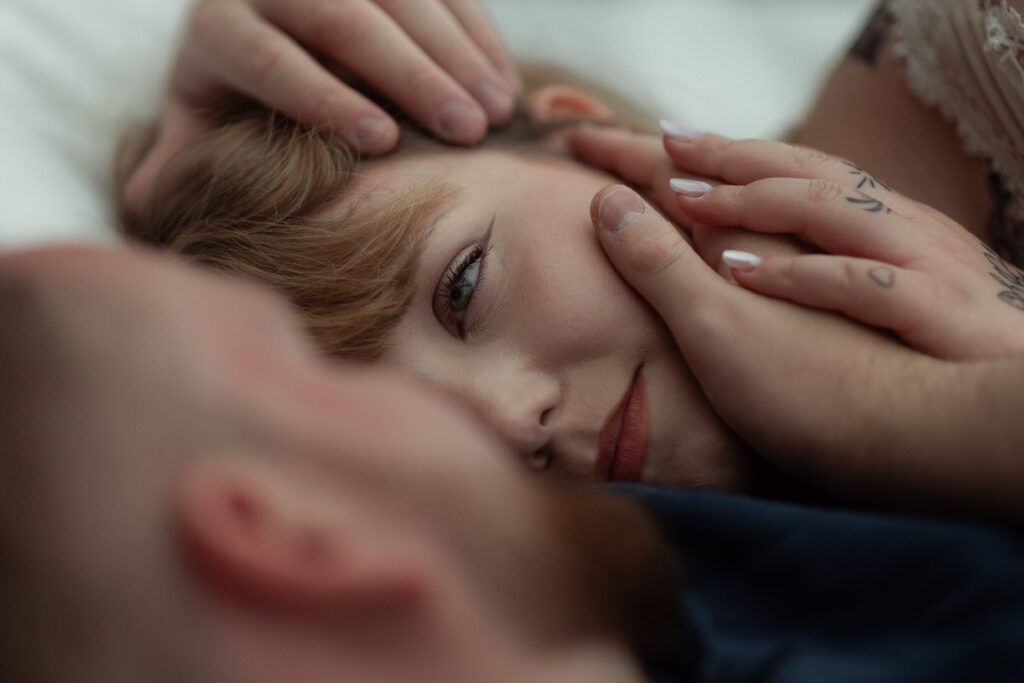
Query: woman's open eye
{"points": [[457, 288]]}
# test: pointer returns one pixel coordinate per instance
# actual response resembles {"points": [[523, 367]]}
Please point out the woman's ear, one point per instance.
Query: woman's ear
{"points": [[264, 538], [554, 102]]}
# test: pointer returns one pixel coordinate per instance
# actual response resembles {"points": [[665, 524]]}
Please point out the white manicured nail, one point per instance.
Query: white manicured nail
{"points": [[689, 188], [680, 131], [741, 260]]}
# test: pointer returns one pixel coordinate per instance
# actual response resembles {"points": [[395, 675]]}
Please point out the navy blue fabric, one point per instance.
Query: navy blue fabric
{"points": [[784, 593]]}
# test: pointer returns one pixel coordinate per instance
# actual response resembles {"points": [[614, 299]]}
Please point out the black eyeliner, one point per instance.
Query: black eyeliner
{"points": [[454, 273]]}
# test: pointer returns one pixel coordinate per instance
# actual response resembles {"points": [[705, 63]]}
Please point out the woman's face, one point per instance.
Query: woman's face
{"points": [[519, 312]]}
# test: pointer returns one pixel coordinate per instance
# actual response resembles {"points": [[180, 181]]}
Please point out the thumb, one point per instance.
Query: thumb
{"points": [[655, 258], [179, 128]]}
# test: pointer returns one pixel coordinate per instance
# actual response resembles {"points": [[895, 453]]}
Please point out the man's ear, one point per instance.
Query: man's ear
{"points": [[265, 538], [554, 102]]}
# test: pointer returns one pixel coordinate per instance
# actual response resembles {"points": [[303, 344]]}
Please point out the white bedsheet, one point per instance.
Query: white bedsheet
{"points": [[73, 72]]}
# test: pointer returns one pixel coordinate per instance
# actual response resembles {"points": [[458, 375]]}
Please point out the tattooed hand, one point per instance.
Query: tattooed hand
{"points": [[830, 401], [891, 262]]}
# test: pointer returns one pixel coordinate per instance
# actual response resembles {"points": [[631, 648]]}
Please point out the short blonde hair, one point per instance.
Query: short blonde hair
{"points": [[258, 196]]}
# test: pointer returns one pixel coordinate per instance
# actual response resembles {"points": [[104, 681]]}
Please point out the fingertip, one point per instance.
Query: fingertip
{"points": [[678, 132], [461, 122], [679, 151], [742, 261], [374, 135], [712, 208], [595, 204], [498, 101]]}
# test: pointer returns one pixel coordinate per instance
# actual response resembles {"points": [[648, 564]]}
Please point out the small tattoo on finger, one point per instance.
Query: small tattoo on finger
{"points": [[866, 179], [883, 276], [869, 203], [1009, 277]]}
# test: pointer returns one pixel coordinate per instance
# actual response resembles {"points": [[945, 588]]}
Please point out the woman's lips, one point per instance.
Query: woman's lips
{"points": [[622, 445]]}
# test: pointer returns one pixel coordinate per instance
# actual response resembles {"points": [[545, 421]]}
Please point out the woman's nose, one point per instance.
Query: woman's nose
{"points": [[520, 409]]}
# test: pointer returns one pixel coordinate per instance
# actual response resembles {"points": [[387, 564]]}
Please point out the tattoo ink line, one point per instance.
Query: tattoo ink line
{"points": [[1008, 276], [865, 177], [869, 203], [883, 276]]}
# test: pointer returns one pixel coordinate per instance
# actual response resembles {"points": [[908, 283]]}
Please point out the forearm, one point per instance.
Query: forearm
{"points": [[954, 439]]}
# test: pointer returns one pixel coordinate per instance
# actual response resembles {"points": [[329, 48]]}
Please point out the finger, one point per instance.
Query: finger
{"points": [[838, 219], [236, 47], [870, 291], [713, 323], [360, 37], [180, 126], [435, 29], [654, 258], [481, 31], [636, 158], [741, 162], [633, 157]]}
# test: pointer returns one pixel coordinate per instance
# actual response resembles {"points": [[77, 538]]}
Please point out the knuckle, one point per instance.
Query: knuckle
{"points": [[744, 198], [263, 60], [806, 157], [652, 254], [821, 191], [718, 151], [847, 277], [788, 273]]}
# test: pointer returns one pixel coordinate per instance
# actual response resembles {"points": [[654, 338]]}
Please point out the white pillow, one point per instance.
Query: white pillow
{"points": [[73, 73]]}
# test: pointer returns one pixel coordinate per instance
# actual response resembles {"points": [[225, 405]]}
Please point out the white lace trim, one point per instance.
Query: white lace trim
{"points": [[966, 57]]}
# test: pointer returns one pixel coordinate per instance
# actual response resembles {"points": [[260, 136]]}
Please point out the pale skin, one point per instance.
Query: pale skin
{"points": [[441, 61], [865, 417], [964, 204], [552, 337], [263, 501], [896, 263]]}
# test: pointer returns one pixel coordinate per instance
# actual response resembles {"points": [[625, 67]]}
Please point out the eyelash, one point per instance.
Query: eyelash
{"points": [[477, 254]]}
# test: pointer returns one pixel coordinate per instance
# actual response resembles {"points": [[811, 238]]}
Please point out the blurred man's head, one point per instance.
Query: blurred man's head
{"points": [[191, 494]]}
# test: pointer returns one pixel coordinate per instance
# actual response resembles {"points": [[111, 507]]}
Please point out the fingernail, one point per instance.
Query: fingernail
{"points": [[679, 131], [495, 99], [371, 133], [689, 188], [618, 209], [460, 121], [741, 260]]}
